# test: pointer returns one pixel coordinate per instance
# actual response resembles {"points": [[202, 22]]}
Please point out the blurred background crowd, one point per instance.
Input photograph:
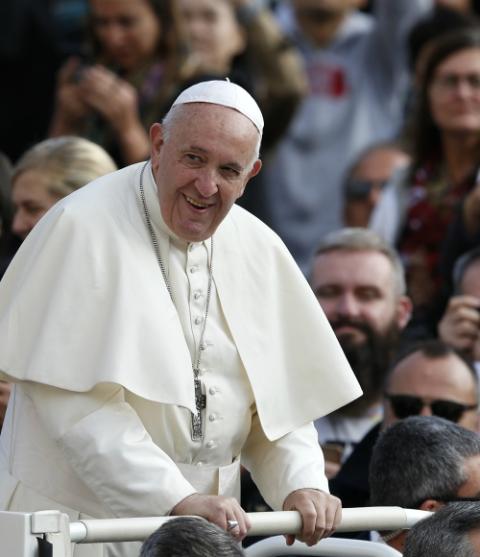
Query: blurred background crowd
{"points": [[371, 151]]}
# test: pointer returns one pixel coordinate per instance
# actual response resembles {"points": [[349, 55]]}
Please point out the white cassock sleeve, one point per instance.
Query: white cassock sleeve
{"points": [[294, 461], [105, 442]]}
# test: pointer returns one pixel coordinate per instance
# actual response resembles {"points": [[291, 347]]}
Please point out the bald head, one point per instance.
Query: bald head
{"points": [[432, 374]]}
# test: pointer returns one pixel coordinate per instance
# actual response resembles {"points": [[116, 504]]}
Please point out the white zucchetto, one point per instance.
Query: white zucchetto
{"points": [[223, 93]]}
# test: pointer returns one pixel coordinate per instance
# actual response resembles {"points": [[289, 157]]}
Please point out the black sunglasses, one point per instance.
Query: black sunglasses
{"points": [[408, 405], [359, 189]]}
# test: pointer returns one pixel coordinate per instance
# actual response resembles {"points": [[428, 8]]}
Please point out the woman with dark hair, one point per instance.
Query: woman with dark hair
{"points": [[418, 208], [127, 86]]}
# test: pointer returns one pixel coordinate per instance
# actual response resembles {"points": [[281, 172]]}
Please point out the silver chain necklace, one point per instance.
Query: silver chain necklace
{"points": [[200, 398]]}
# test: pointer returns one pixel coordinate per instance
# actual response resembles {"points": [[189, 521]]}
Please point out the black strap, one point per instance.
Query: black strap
{"points": [[45, 549]]}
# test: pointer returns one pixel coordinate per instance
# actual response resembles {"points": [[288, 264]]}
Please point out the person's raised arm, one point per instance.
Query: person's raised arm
{"points": [[389, 45]]}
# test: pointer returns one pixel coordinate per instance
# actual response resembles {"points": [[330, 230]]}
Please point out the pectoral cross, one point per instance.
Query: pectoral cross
{"points": [[200, 404]]}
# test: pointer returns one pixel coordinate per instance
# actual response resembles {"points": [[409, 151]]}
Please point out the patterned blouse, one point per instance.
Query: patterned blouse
{"points": [[431, 207]]}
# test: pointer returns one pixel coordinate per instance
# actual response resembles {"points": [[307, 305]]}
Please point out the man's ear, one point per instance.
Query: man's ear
{"points": [[404, 311], [431, 505], [156, 142], [257, 165], [477, 423]]}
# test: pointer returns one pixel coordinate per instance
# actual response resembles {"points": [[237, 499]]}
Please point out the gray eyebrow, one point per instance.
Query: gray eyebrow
{"points": [[235, 165]]}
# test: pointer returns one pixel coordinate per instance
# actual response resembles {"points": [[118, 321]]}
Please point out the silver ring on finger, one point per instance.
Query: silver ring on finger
{"points": [[231, 524]]}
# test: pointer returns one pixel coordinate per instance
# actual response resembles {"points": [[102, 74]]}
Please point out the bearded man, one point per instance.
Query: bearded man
{"points": [[359, 282]]}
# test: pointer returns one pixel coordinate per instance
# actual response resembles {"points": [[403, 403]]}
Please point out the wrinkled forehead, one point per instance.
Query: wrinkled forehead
{"points": [[214, 6], [359, 262], [213, 129], [209, 119], [357, 268], [459, 61], [445, 372], [379, 163]]}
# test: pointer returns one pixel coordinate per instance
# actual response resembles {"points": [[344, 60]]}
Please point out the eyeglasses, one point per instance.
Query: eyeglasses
{"points": [[408, 405], [449, 82], [359, 189]]}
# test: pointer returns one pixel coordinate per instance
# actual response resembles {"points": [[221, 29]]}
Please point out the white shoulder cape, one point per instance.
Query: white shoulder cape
{"points": [[84, 302]]}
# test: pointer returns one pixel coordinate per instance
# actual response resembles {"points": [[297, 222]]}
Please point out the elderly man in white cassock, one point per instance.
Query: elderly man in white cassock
{"points": [[158, 335]]}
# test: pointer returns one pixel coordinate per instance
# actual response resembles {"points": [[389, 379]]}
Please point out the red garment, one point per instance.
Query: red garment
{"points": [[431, 206]]}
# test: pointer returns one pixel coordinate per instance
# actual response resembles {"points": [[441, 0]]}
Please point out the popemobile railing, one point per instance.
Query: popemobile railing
{"points": [[43, 533]]}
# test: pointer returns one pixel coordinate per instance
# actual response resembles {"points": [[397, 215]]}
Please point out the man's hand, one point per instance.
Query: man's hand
{"points": [[321, 514], [460, 324], [216, 509]]}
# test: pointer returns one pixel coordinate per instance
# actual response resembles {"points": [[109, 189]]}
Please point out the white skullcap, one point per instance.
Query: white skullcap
{"points": [[223, 93]]}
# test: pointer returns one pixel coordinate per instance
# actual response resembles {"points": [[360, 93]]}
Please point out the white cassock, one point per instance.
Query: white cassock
{"points": [[99, 420]]}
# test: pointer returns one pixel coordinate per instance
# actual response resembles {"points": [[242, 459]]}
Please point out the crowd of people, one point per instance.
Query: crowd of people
{"points": [[240, 249]]}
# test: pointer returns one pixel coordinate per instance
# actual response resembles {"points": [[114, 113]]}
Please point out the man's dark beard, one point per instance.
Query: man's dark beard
{"points": [[370, 361]]}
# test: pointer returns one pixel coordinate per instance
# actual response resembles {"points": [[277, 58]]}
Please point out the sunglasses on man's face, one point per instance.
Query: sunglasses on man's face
{"points": [[408, 405]]}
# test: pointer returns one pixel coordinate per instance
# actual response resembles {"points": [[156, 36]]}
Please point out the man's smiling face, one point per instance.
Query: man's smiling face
{"points": [[201, 163]]}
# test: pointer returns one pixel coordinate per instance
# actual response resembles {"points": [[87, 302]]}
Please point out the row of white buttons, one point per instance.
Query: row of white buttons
{"points": [[210, 445], [198, 294]]}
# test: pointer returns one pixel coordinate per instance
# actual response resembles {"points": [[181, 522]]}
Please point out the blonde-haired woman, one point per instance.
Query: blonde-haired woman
{"points": [[51, 170], [44, 174]]}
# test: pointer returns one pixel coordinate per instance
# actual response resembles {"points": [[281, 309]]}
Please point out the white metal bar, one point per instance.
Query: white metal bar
{"points": [[263, 524]]}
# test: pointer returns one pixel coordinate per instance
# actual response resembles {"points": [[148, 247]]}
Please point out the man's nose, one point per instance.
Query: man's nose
{"points": [[20, 225], [206, 183], [347, 305], [195, 28], [426, 410]]}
